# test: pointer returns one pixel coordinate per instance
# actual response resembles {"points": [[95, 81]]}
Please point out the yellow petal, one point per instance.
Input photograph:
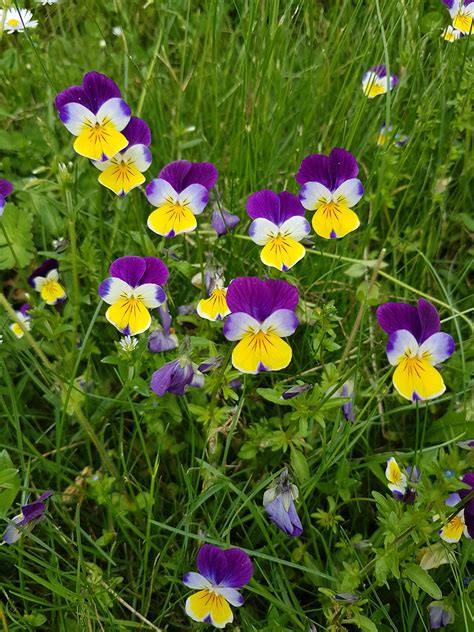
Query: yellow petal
{"points": [[214, 307], [99, 141], [17, 330], [453, 531], [334, 220], [205, 604], [463, 23], [282, 252], [51, 292], [121, 178], [129, 315], [415, 378], [172, 219], [261, 352], [373, 90]]}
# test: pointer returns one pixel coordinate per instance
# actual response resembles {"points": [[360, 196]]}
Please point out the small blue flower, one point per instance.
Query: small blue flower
{"points": [[278, 502], [440, 614]]}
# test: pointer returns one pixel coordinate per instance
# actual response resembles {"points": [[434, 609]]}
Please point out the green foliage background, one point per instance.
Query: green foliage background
{"points": [[253, 87]]}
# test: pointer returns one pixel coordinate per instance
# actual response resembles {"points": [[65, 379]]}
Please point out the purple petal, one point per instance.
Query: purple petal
{"points": [[264, 203], [290, 206], [31, 512], [137, 132], [155, 271], [260, 298], [172, 378], [74, 94], [314, 168], [99, 88], [42, 270], [468, 479], [222, 221], [429, 319], [380, 70], [182, 173], [287, 521], [160, 341], [210, 364], [165, 317], [231, 568], [294, 391], [130, 269], [395, 316], [24, 310], [174, 173], [6, 187], [342, 167]]}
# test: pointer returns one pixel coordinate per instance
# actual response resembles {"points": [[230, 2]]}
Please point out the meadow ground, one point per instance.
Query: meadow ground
{"points": [[141, 481]]}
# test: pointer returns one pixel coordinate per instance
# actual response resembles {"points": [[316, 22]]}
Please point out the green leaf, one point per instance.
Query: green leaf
{"points": [[16, 248], [272, 396], [9, 482], [422, 579], [299, 465], [363, 623]]}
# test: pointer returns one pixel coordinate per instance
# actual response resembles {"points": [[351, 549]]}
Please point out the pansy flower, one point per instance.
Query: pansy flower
{"points": [[134, 287], [176, 377], [45, 280], [221, 573], [329, 186], [463, 521], [24, 318], [163, 339], [462, 13], [398, 481], [30, 515], [386, 133], [376, 81], [6, 188], [96, 113], [124, 171], [296, 390], [17, 20], [262, 313], [278, 225], [441, 614], [450, 34], [279, 503], [180, 192], [415, 347], [215, 307], [222, 221]]}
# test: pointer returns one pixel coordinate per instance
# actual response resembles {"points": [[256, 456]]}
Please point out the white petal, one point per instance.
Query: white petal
{"points": [[454, 10], [283, 322], [469, 10], [296, 227], [160, 192], [401, 343], [349, 193], [196, 581], [313, 195], [38, 282], [238, 324], [232, 596], [75, 116], [195, 196], [53, 275], [262, 230], [151, 294], [437, 348], [113, 288], [139, 156], [115, 111], [102, 165]]}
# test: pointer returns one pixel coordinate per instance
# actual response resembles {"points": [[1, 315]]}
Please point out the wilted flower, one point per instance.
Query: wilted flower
{"points": [[6, 188], [441, 614], [222, 221], [45, 280], [463, 521], [134, 287], [376, 81], [279, 503], [262, 313], [434, 556], [221, 572], [415, 347], [329, 186], [24, 318], [96, 113], [180, 192], [31, 514], [467, 445], [17, 20], [294, 391]]}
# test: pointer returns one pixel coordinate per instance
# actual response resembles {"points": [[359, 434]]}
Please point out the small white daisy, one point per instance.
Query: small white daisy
{"points": [[117, 31], [17, 20], [128, 343]]}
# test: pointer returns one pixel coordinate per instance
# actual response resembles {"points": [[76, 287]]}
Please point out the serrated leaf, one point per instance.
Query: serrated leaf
{"points": [[18, 228], [423, 580]]}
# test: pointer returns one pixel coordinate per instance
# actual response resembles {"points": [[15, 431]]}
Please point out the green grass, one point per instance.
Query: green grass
{"points": [[253, 87]]}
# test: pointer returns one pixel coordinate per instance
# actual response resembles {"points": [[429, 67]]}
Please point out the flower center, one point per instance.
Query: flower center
{"points": [[13, 22], [279, 243], [413, 366], [331, 210], [456, 523]]}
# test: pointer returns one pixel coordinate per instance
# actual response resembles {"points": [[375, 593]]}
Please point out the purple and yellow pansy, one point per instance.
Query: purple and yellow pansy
{"points": [[180, 192], [96, 114], [399, 482], [24, 317], [262, 314], [463, 521], [134, 287], [215, 307], [462, 14], [124, 171], [329, 186], [6, 187], [279, 226], [415, 347], [376, 81], [45, 280], [221, 574]]}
